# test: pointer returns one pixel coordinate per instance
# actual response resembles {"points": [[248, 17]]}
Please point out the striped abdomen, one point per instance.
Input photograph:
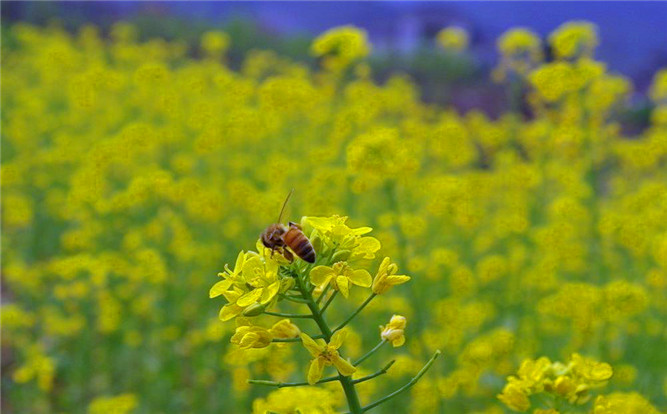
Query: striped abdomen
{"points": [[299, 243]]}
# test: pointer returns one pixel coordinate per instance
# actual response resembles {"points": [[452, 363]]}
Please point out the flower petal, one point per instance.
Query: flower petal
{"points": [[398, 341], [343, 366], [397, 279], [239, 263], [361, 278], [315, 370], [312, 346], [270, 292], [250, 297], [343, 284], [320, 275], [338, 338], [219, 288], [229, 311]]}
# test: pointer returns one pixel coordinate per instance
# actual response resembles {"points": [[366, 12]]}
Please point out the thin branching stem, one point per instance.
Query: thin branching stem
{"points": [[346, 382], [289, 384], [294, 339], [323, 295], [294, 299], [377, 374], [412, 382], [289, 315], [369, 353], [359, 309], [328, 302]]}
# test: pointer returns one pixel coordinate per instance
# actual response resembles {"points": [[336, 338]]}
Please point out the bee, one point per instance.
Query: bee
{"points": [[280, 237]]}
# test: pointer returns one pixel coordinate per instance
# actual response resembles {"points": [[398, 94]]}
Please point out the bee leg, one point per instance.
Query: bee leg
{"points": [[288, 255]]}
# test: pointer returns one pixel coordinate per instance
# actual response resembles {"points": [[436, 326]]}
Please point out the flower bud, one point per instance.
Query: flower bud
{"points": [[248, 337], [285, 329]]}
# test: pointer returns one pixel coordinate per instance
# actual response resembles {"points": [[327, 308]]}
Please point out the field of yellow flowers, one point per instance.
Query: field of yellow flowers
{"points": [[133, 171]]}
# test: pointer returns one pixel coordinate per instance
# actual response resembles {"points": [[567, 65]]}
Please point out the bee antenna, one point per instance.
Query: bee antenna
{"points": [[282, 210]]}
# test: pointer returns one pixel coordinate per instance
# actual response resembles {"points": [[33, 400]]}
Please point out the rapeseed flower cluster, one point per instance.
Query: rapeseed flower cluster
{"points": [[132, 170]]}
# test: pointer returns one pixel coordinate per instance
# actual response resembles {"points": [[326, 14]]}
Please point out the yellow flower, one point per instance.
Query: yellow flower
{"points": [[120, 404], [284, 329], [626, 403], [253, 282], [591, 370], [340, 276], [214, 43], [453, 38], [386, 277], [574, 39], [325, 355], [347, 241], [514, 397], [394, 332], [533, 372], [248, 336], [341, 46]]}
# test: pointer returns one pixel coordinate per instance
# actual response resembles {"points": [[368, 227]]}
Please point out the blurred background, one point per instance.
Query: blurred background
{"points": [[402, 34], [510, 156]]}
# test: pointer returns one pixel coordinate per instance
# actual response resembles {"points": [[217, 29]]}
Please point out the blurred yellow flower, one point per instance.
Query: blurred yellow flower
{"points": [[453, 38]]}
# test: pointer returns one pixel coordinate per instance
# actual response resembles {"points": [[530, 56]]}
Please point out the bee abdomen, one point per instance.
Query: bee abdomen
{"points": [[299, 243]]}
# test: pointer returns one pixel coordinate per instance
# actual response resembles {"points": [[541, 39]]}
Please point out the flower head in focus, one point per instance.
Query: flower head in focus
{"points": [[253, 283], [386, 277], [350, 244], [326, 354], [340, 275]]}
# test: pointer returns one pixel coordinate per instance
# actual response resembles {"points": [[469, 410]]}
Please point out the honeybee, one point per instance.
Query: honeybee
{"points": [[280, 237]]}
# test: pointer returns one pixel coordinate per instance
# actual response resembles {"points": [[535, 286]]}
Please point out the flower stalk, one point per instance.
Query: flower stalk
{"points": [[260, 280]]}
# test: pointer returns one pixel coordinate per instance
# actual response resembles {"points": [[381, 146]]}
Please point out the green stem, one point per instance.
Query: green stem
{"points": [[289, 384], [294, 339], [324, 294], [328, 302], [293, 299], [289, 315], [359, 309], [369, 353], [412, 382], [346, 382], [377, 374]]}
